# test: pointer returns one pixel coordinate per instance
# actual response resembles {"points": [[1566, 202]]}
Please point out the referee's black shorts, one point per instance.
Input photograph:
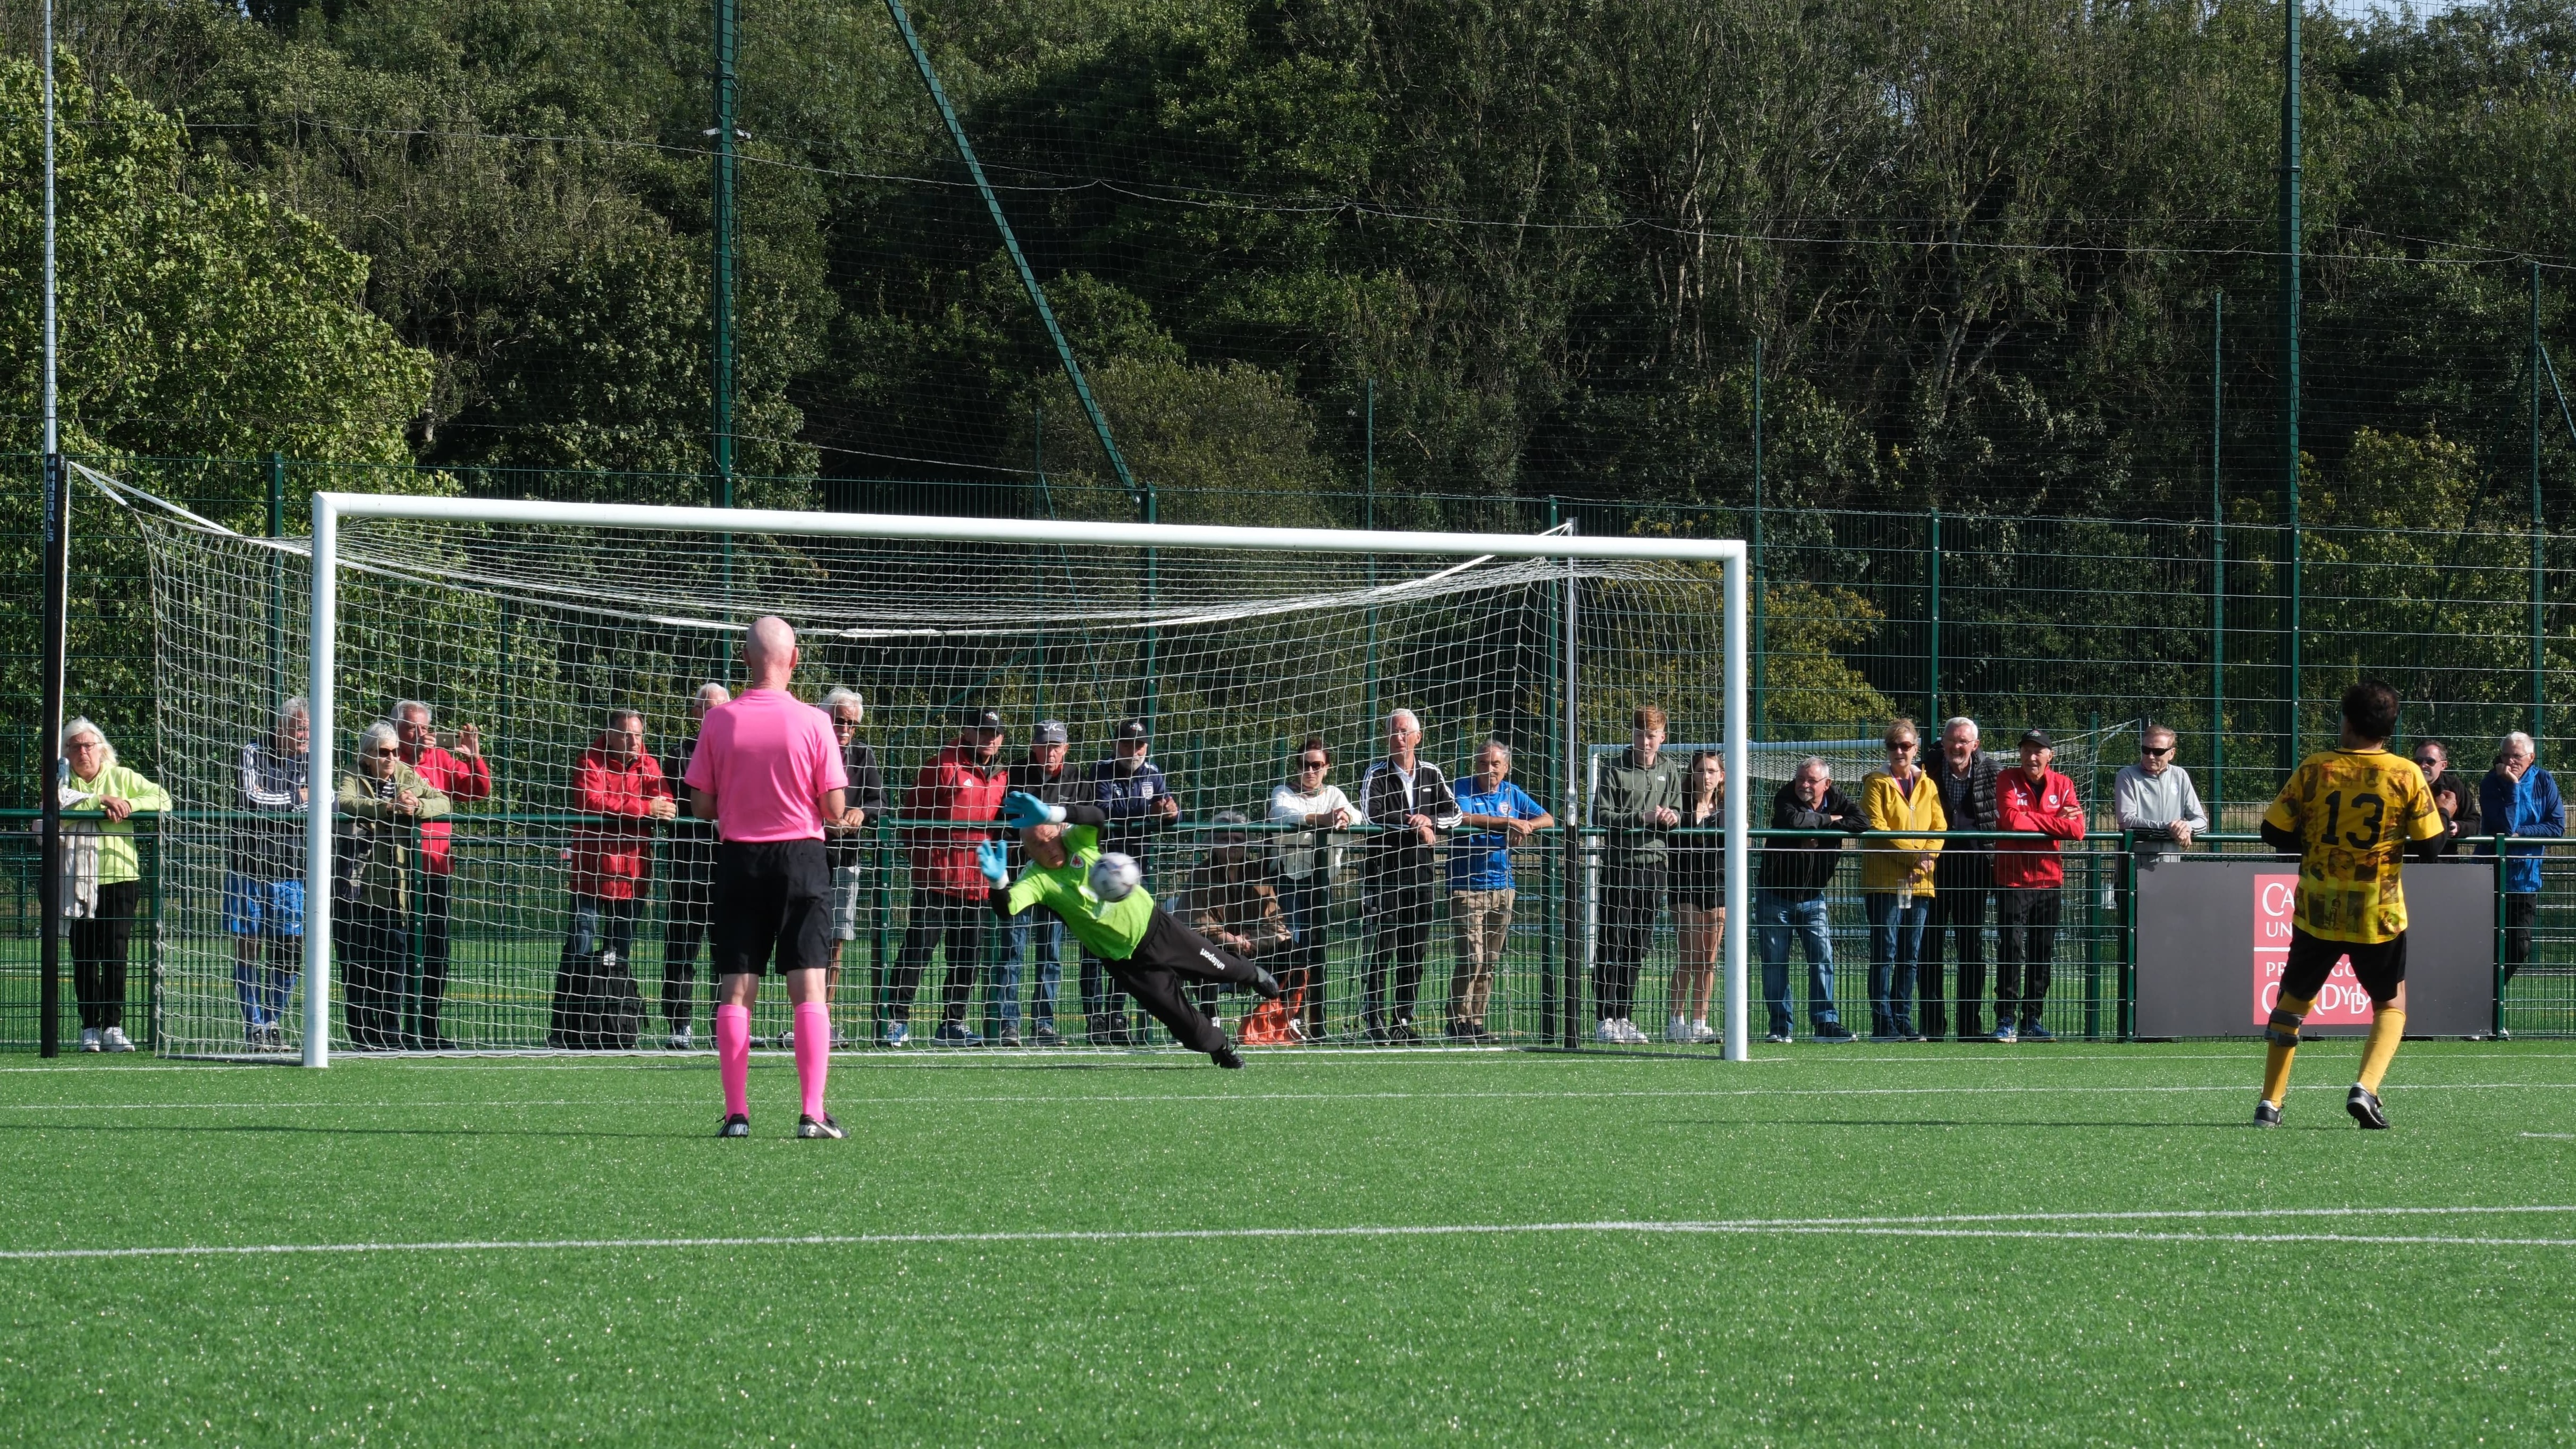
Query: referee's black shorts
{"points": [[2379, 966], [771, 906]]}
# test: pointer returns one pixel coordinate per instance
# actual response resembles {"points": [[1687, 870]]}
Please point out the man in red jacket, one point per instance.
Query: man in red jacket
{"points": [[2027, 879], [620, 791], [964, 783], [464, 777]]}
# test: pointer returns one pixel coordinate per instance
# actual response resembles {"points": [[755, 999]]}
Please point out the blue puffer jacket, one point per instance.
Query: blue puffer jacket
{"points": [[2529, 806]]}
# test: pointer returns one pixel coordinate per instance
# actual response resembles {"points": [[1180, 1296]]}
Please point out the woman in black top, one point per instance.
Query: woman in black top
{"points": [[1696, 876]]}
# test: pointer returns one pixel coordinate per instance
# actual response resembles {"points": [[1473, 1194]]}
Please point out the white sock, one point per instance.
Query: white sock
{"points": [[1699, 1023]]}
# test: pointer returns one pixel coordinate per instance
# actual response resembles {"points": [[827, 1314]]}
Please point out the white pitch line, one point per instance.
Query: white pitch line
{"points": [[2554, 1136], [1960, 1225]]}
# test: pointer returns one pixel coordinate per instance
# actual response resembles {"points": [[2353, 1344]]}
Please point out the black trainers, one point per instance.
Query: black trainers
{"points": [[2265, 1114], [735, 1126], [808, 1127], [1227, 1057], [2363, 1104]]}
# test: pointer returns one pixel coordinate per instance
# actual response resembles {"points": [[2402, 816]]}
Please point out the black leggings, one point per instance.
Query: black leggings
{"points": [[98, 955], [1632, 892], [957, 921]]}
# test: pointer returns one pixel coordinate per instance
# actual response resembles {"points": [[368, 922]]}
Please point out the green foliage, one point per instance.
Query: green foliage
{"points": [[1806, 628]]}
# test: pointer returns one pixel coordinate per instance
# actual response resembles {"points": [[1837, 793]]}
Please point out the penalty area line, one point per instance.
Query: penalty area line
{"points": [[1957, 1225]]}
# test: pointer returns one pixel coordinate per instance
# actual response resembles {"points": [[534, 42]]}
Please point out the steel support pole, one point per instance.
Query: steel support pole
{"points": [[1739, 860], [1932, 683], [2290, 153], [1760, 578], [320, 716], [2539, 657], [728, 17], [1570, 979], [2217, 560], [56, 623]]}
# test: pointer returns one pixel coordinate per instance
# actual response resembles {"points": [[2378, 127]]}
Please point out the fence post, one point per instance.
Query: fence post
{"points": [[2539, 661], [2217, 562], [1932, 567], [1760, 579], [2290, 239]]}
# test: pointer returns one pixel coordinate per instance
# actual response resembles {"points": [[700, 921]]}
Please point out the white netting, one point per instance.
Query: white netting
{"points": [[533, 634]]}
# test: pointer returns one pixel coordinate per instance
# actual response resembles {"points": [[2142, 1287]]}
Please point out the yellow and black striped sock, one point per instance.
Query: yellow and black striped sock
{"points": [[2387, 1029], [2276, 1058]]}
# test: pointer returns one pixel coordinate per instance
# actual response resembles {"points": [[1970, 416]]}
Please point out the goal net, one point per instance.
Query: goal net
{"points": [[540, 911]]}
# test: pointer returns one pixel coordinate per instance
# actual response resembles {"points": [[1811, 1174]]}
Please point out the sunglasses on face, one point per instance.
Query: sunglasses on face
{"points": [[2157, 751], [1314, 764], [1895, 746]]}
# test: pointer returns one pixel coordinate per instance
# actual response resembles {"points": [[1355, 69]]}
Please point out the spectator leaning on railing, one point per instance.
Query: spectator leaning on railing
{"points": [[1481, 891], [1962, 880], [464, 777], [2456, 798], [688, 883], [2028, 881], [264, 874], [380, 804], [2519, 798], [1406, 797], [102, 877], [1789, 898], [845, 843], [1306, 859], [1035, 933], [1896, 878], [963, 786], [621, 793], [2154, 799]]}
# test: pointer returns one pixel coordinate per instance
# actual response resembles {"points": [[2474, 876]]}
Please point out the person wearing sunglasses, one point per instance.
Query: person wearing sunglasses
{"points": [[2154, 799], [2456, 798], [380, 805], [1896, 878], [1305, 860]]}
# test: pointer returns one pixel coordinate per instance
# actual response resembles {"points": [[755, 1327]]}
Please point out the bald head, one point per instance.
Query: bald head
{"points": [[769, 652]]}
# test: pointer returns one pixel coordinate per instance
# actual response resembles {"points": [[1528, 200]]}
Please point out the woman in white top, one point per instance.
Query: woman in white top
{"points": [[1305, 858]]}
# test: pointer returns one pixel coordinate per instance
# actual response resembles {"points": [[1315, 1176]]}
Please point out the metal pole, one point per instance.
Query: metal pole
{"points": [[1932, 688], [2539, 661], [1368, 520], [276, 581], [1739, 859], [1570, 979], [2290, 340], [728, 16], [1555, 961], [1760, 578], [57, 613], [2217, 562], [317, 783]]}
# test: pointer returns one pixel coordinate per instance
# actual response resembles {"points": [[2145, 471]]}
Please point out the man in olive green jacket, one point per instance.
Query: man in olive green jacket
{"points": [[1637, 798], [381, 804]]}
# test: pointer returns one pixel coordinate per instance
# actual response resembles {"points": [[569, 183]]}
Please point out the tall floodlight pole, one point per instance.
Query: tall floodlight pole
{"points": [[2290, 336], [58, 564], [728, 14]]}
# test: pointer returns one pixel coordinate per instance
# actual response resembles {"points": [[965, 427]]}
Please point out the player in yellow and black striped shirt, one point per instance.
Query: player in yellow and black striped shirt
{"points": [[2348, 812]]}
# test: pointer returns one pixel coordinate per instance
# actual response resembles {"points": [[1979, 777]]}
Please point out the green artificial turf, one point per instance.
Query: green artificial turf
{"points": [[1800, 1331]]}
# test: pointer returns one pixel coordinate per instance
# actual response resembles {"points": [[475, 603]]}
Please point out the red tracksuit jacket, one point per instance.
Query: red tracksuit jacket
{"points": [[2049, 807]]}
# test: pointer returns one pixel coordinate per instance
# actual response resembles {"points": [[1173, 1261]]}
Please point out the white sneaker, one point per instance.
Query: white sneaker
{"points": [[1609, 1032], [683, 1040], [89, 1039], [1677, 1029], [1701, 1032], [787, 1040], [1636, 1035], [114, 1039]]}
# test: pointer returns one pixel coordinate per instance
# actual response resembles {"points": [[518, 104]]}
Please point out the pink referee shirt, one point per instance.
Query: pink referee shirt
{"points": [[766, 757]]}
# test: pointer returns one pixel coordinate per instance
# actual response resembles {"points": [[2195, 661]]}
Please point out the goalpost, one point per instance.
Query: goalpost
{"points": [[1234, 644]]}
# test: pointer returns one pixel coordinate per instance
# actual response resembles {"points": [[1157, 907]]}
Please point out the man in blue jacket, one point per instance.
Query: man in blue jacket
{"points": [[2519, 798], [1137, 802]]}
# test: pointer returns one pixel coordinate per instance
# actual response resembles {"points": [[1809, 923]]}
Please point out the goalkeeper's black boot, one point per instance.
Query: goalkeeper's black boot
{"points": [[1227, 1057], [2266, 1115], [827, 1127], [735, 1126], [2363, 1104]]}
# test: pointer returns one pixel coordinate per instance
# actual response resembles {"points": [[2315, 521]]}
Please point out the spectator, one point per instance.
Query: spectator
{"points": [[1790, 897], [103, 884], [2462, 820], [688, 877], [1307, 860], [1637, 798], [845, 843], [1962, 880], [1697, 866], [963, 785], [767, 772], [2027, 883], [1232, 902], [1481, 893], [2518, 798], [1131, 791], [2154, 799], [1034, 931], [264, 874], [380, 805], [617, 788], [1896, 878], [464, 778], [1406, 798]]}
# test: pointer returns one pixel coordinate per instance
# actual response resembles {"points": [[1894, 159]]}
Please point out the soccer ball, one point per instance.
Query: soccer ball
{"points": [[1113, 876]]}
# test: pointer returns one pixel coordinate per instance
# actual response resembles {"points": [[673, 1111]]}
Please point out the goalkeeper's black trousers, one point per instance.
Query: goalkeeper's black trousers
{"points": [[1170, 954]]}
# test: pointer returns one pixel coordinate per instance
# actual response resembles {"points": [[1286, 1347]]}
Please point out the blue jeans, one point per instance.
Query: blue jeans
{"points": [[1046, 929], [1895, 949], [1779, 915]]}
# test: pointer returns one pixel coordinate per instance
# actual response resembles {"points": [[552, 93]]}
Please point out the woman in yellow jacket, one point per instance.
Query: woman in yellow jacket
{"points": [[103, 877], [1896, 879]]}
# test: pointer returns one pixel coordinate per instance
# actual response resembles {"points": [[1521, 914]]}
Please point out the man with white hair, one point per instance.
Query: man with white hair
{"points": [[1961, 883], [844, 840], [464, 777], [1789, 897], [687, 880], [1408, 799], [99, 799], [767, 772], [264, 873], [2519, 798]]}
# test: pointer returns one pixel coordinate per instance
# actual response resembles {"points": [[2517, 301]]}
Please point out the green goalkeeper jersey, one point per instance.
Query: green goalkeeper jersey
{"points": [[1111, 929]]}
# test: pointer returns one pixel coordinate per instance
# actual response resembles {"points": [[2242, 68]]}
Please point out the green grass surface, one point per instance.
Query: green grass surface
{"points": [[2264, 1328]]}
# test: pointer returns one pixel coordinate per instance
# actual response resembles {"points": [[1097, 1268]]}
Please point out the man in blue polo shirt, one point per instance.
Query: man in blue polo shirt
{"points": [[1500, 816]]}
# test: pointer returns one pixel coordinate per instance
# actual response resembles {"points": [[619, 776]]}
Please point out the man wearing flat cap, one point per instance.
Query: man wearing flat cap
{"points": [[1131, 791], [1042, 776], [2029, 877], [964, 783]]}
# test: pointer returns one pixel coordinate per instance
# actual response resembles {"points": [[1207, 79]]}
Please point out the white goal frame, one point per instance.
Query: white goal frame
{"points": [[330, 508]]}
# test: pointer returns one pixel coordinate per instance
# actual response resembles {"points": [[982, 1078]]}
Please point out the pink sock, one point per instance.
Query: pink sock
{"points": [[733, 1057], [813, 1053]]}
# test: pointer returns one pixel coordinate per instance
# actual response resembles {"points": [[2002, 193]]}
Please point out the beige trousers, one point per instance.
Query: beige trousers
{"points": [[1483, 921]]}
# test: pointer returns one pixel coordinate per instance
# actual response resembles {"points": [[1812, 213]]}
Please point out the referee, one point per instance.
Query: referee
{"points": [[767, 771]]}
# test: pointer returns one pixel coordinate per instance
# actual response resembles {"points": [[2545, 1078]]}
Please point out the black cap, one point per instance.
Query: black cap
{"points": [[1131, 729], [1049, 732], [985, 719], [2039, 737]]}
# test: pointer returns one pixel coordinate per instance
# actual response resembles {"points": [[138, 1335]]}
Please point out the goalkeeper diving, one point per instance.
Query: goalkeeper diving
{"points": [[1103, 902]]}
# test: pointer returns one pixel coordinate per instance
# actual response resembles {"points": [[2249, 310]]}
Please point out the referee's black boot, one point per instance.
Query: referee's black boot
{"points": [[735, 1126]]}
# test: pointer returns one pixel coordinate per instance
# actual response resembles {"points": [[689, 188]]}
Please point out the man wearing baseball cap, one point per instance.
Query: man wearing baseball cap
{"points": [[1136, 803], [1041, 776], [964, 783], [2028, 880]]}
